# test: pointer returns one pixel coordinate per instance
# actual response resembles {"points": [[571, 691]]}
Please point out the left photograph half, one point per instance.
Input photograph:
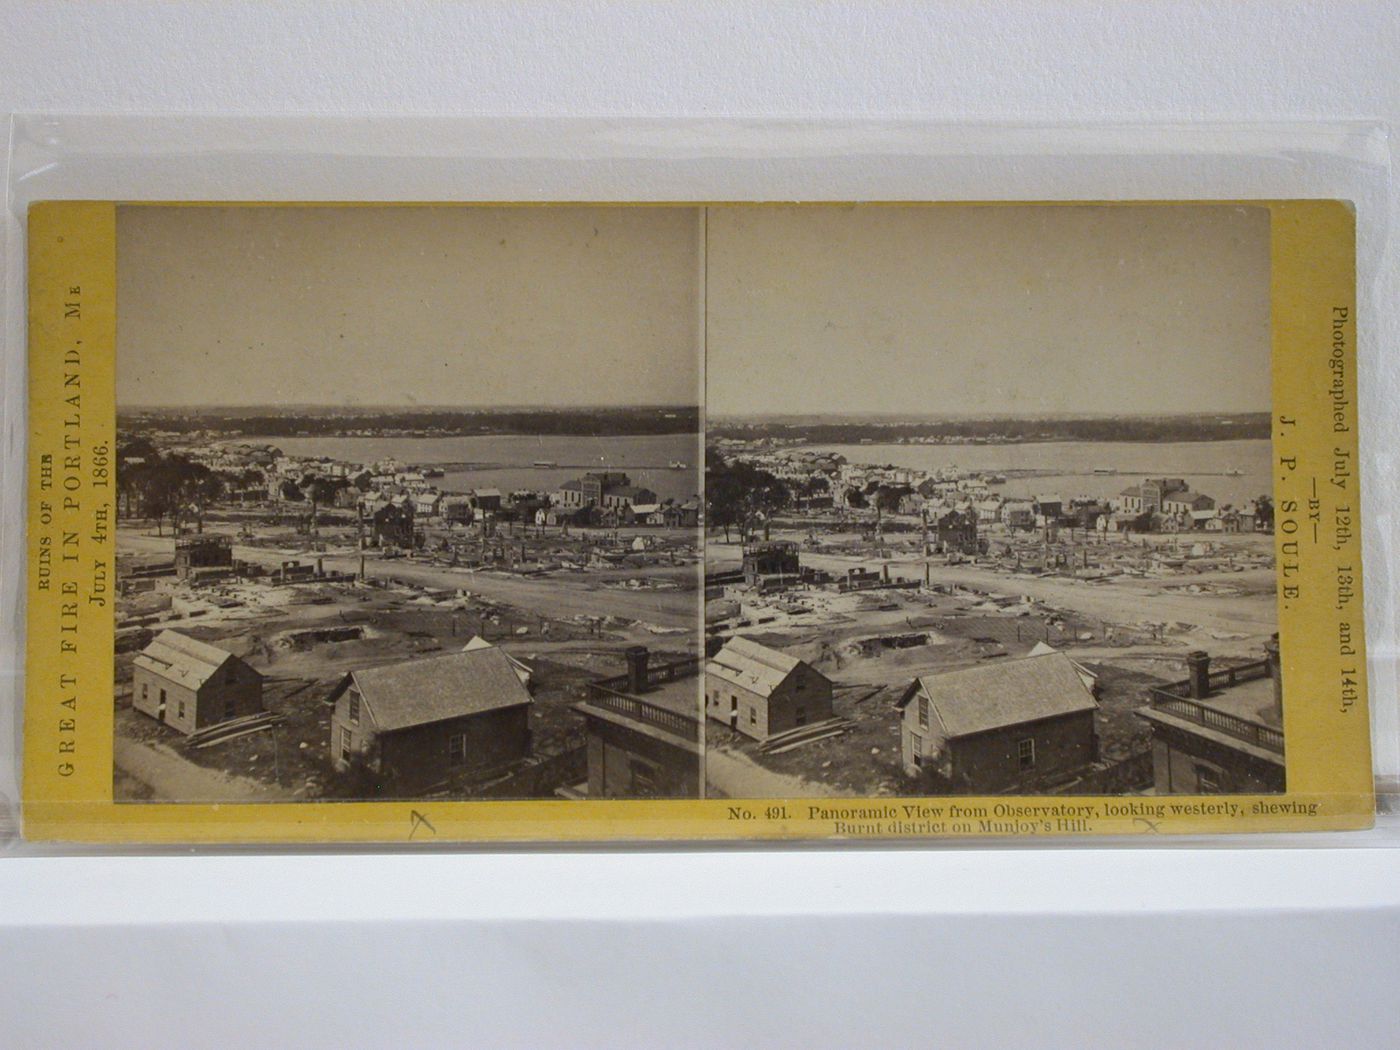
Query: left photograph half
{"points": [[408, 503]]}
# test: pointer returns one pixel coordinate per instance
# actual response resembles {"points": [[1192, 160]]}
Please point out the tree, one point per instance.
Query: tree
{"points": [[855, 498], [320, 491], [1264, 513], [888, 497], [738, 494], [205, 486]]}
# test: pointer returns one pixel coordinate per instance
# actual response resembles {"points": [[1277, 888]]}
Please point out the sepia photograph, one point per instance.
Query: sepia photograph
{"points": [[408, 503], [989, 502]]}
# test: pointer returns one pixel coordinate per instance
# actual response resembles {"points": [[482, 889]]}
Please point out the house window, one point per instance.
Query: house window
{"points": [[916, 749], [1208, 781], [457, 748], [231, 675], [1025, 754], [345, 744], [923, 712], [353, 708], [642, 779], [799, 716], [181, 709], [230, 707], [753, 716]]}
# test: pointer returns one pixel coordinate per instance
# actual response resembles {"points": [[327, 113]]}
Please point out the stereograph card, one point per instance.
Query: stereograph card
{"points": [[499, 522]]}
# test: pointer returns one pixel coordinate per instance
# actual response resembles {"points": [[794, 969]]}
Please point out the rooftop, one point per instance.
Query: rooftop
{"points": [[182, 659], [1011, 692], [420, 691], [670, 712], [1253, 699], [1239, 711], [755, 667], [684, 696]]}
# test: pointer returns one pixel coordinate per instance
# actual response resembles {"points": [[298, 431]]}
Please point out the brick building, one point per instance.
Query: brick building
{"points": [[1219, 732], [955, 532], [643, 731], [209, 554], [772, 564], [391, 524]]}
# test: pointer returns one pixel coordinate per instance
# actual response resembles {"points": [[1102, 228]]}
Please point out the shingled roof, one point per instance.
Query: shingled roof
{"points": [[182, 659], [754, 667], [419, 691], [1007, 693]]}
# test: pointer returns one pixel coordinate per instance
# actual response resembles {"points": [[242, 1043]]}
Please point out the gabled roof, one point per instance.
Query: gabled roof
{"points": [[1184, 496], [1008, 693], [182, 659], [420, 691], [754, 667], [1087, 676], [522, 670]]}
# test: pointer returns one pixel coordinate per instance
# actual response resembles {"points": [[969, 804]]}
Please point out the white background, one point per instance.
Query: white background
{"points": [[1066, 947]]}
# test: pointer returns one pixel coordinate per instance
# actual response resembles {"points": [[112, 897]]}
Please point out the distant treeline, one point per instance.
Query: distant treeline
{"points": [[588, 421], [1104, 428]]}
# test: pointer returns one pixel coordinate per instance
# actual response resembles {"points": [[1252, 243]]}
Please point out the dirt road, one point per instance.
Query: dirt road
{"points": [[1117, 601], [738, 776], [555, 596], [173, 779]]}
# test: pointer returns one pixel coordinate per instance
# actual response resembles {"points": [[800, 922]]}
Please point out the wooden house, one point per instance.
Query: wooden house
{"points": [[761, 692], [189, 684], [422, 721], [1014, 724]]}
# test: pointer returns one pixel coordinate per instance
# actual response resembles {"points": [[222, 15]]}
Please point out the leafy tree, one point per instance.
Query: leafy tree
{"points": [[1264, 513], [738, 494], [887, 497], [321, 491]]}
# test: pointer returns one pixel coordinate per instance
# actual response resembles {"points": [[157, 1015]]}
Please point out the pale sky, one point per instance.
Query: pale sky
{"points": [[463, 307], [1082, 309]]}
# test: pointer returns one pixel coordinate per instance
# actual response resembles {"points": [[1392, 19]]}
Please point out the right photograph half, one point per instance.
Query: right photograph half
{"points": [[989, 502]]}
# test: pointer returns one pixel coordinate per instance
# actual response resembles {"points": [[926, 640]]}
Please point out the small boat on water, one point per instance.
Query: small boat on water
{"points": [[1234, 473], [678, 465], [544, 463], [1104, 470]]}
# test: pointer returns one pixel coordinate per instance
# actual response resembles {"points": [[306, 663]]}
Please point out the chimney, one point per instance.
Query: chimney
{"points": [[1271, 655], [1198, 673], [636, 669]]}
